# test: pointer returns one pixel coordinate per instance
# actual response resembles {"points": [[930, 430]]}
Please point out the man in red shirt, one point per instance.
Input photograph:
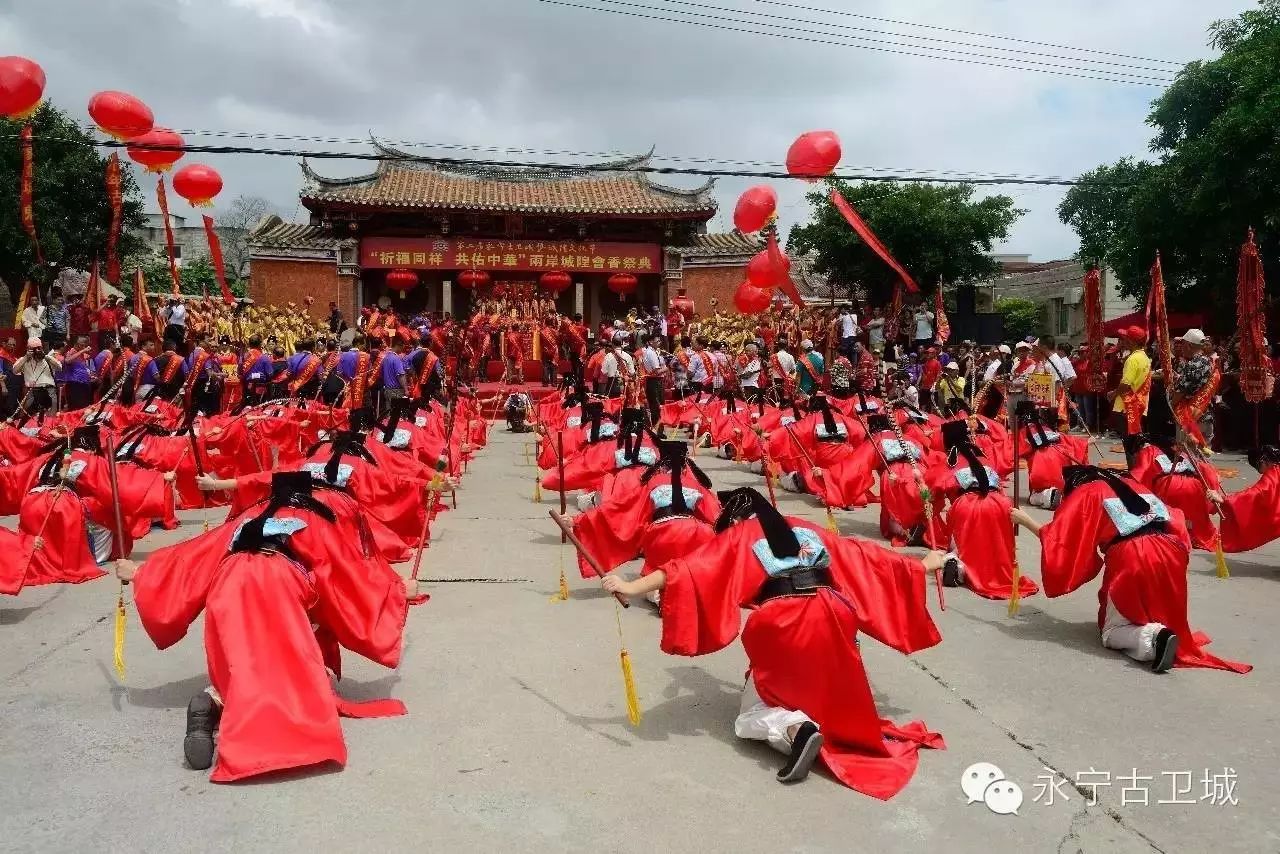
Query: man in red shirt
{"points": [[930, 371], [1080, 387], [111, 316]]}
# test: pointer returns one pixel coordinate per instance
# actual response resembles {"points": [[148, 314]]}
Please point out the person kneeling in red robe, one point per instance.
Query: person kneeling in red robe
{"points": [[280, 591], [809, 592], [1251, 517], [1112, 521]]}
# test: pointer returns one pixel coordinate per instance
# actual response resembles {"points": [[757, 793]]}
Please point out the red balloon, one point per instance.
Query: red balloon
{"points": [[763, 273], [402, 280], [623, 284], [198, 184], [473, 278], [749, 299], [814, 155], [754, 208], [121, 115], [556, 281], [156, 160], [21, 87]]}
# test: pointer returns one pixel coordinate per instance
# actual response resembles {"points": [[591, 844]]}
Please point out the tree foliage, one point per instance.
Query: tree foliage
{"points": [[1215, 175], [197, 275], [937, 232], [72, 212], [1022, 317], [234, 226]]}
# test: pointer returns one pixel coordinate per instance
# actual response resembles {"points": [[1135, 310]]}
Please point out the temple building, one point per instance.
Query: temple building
{"points": [[431, 236]]}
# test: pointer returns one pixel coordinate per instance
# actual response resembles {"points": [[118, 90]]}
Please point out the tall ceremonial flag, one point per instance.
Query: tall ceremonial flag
{"points": [[942, 326], [1097, 375], [140, 305], [869, 237], [163, 201], [26, 193], [1251, 324], [24, 299], [893, 317], [219, 268], [116, 198], [1158, 321]]}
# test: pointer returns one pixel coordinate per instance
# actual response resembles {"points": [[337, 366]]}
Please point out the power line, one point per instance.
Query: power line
{"points": [[1075, 60], [937, 28], [562, 167], [1114, 77], [716, 161]]}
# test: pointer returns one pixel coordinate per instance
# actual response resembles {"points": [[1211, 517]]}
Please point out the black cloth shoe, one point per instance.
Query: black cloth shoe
{"points": [[203, 715], [1166, 646], [804, 750], [951, 572]]}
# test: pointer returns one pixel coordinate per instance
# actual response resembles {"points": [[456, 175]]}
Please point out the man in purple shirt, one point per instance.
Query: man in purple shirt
{"points": [[299, 365], [393, 373], [259, 373], [76, 376]]}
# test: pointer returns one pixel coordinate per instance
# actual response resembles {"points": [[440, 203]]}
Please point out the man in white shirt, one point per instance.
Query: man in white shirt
{"points": [[34, 317], [654, 371], [996, 358], [924, 326], [175, 319], [38, 370], [782, 372], [720, 364], [749, 373], [875, 333], [848, 323], [608, 384]]}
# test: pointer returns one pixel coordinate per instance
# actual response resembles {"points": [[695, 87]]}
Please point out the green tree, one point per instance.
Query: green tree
{"points": [[1022, 317], [72, 212], [937, 232], [1216, 174], [197, 275]]}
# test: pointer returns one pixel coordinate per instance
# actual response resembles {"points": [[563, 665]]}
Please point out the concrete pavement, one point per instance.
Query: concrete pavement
{"points": [[517, 735]]}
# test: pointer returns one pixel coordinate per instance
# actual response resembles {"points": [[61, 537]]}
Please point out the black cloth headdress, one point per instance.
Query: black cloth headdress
{"points": [[288, 489], [740, 504], [1077, 476]]}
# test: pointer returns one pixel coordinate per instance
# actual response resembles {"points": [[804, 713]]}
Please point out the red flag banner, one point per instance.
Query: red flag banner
{"points": [[893, 317], [1158, 321], [215, 252], [782, 269], [941, 325], [27, 194], [116, 198], [1097, 375], [163, 200], [23, 299], [93, 290], [1251, 324], [140, 305], [869, 237]]}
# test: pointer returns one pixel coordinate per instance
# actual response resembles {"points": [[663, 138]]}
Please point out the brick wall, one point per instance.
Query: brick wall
{"points": [[275, 281], [703, 283]]}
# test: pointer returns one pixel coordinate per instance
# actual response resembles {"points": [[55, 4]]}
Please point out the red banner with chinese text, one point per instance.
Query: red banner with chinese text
{"points": [[163, 201], [116, 198], [93, 290], [26, 196], [573, 256], [941, 325], [1097, 375], [141, 307], [219, 268]]}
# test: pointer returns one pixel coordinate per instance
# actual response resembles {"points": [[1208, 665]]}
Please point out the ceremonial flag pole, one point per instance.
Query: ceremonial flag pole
{"points": [[117, 656]]}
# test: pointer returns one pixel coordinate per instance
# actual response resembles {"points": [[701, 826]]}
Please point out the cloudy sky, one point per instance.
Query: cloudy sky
{"points": [[524, 74]]}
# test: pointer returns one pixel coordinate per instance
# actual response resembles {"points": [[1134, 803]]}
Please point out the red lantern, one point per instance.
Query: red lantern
{"points": [[623, 284], [749, 299], [473, 278], [556, 281], [21, 87], [402, 280], [198, 184], [814, 155], [763, 273], [682, 303], [121, 115], [755, 207], [156, 160]]}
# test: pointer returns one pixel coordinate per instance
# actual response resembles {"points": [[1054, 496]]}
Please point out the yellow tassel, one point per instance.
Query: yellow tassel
{"points": [[562, 595], [118, 651], [1015, 599], [206, 526], [831, 522], [537, 490], [629, 684], [1223, 572]]}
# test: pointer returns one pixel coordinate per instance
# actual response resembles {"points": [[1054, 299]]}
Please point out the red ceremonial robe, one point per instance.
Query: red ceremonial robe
{"points": [[1144, 576], [280, 710], [1251, 517], [588, 468], [1178, 486], [622, 527], [1045, 463], [801, 648]]}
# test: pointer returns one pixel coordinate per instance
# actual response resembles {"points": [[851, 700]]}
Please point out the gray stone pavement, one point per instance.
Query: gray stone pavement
{"points": [[517, 736]]}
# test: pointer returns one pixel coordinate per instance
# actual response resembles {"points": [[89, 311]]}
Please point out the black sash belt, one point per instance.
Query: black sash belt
{"points": [[669, 512], [806, 581]]}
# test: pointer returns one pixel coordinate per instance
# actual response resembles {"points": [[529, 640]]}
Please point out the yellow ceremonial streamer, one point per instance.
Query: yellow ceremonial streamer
{"points": [[537, 487], [1015, 598], [1223, 572], [117, 656], [563, 594], [831, 522], [628, 678]]}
